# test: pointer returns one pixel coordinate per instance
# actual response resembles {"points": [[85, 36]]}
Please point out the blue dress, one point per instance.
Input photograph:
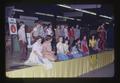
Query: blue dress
{"points": [[76, 53], [62, 57]]}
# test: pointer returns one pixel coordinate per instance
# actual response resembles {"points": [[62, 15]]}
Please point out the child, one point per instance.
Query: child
{"points": [[36, 56], [92, 45], [85, 46], [60, 50], [66, 49], [76, 50]]}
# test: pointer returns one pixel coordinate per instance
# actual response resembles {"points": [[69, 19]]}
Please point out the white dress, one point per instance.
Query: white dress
{"points": [[35, 59]]}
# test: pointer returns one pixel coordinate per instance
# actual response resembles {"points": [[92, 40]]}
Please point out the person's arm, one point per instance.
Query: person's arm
{"points": [[98, 29], [89, 43]]}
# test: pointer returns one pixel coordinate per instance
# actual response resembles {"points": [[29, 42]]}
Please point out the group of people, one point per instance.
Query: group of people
{"points": [[67, 43]]}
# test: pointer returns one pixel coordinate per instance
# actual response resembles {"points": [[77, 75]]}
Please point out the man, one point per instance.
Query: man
{"points": [[22, 41], [37, 30], [77, 32]]}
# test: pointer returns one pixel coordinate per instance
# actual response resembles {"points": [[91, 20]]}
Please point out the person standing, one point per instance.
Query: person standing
{"points": [[77, 32], [71, 35], [57, 33], [49, 30], [37, 30], [102, 35], [22, 41], [66, 32]]}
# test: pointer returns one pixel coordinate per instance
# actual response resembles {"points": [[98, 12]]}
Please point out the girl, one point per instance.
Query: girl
{"points": [[92, 45], [36, 56], [76, 50], [60, 50], [85, 46], [47, 49], [66, 49]]}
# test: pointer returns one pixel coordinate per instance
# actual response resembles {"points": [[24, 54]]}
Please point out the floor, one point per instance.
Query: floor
{"points": [[107, 71]]}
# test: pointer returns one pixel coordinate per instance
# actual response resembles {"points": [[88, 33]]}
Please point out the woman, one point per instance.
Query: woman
{"points": [[92, 45], [60, 50], [85, 46], [71, 35], [47, 49], [76, 50], [36, 56], [57, 33], [102, 35]]}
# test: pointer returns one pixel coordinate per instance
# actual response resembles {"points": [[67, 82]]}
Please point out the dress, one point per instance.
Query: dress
{"points": [[75, 52], [35, 59], [47, 51], [85, 47], [60, 52]]}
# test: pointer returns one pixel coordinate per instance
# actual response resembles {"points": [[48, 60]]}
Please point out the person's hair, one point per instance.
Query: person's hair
{"points": [[67, 40], [62, 38], [48, 37], [22, 22], [39, 37]]}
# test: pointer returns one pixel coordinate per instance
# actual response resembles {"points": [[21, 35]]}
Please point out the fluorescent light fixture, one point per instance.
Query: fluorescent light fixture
{"points": [[65, 17], [85, 11], [105, 16], [44, 14], [78, 19], [107, 22], [18, 10], [65, 6]]}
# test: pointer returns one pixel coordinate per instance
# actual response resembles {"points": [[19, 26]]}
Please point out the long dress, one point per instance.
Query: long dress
{"points": [[60, 52], [75, 52], [35, 59], [85, 47], [47, 51]]}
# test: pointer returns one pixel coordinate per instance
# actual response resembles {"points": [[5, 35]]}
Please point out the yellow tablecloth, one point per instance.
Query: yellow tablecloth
{"points": [[69, 68]]}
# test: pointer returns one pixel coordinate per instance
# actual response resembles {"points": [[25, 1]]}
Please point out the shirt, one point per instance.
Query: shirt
{"points": [[21, 33], [60, 47], [37, 47], [66, 48], [49, 31], [92, 43]]}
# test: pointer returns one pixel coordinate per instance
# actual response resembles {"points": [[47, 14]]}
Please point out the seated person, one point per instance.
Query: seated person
{"points": [[76, 49], [36, 57], [92, 45], [85, 46], [66, 49], [60, 50], [47, 49], [97, 45]]}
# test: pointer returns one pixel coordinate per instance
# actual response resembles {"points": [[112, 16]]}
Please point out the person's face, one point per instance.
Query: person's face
{"points": [[20, 24], [77, 26], [40, 40], [78, 41], [66, 42], [60, 39], [93, 37], [84, 38]]}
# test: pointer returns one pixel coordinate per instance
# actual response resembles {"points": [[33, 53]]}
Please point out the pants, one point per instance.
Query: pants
{"points": [[23, 49]]}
